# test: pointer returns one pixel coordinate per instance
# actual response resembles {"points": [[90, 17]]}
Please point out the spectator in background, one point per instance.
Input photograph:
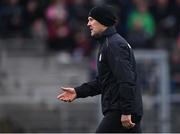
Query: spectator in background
{"points": [[12, 18], [175, 67], [123, 7], [176, 14], [2, 24], [141, 26], [39, 29], [78, 9], [59, 31], [161, 11], [83, 44], [31, 15]]}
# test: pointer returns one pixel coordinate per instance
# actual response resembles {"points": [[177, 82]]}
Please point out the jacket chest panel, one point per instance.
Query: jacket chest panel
{"points": [[102, 65]]}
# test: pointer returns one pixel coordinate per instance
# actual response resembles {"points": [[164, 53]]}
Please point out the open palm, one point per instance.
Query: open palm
{"points": [[68, 95]]}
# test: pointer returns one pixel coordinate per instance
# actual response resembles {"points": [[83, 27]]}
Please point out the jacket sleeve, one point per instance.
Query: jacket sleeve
{"points": [[119, 60], [91, 88]]}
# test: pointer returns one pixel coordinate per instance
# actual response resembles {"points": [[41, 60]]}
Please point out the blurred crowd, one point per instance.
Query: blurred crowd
{"points": [[146, 24]]}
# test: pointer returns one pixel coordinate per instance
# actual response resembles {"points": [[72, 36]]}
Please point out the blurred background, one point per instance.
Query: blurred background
{"points": [[45, 44]]}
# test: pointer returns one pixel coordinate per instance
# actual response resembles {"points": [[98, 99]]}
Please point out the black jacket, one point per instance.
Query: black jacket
{"points": [[117, 77]]}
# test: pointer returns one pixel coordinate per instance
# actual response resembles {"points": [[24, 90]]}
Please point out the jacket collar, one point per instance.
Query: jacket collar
{"points": [[109, 31]]}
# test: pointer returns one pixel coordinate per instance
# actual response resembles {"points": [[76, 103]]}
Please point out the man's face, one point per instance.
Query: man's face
{"points": [[95, 27]]}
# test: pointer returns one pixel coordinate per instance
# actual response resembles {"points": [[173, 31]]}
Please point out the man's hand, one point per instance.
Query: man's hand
{"points": [[127, 122], [68, 94]]}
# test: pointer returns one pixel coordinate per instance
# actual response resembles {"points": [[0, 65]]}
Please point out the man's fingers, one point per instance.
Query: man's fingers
{"points": [[59, 96], [65, 88], [62, 97], [62, 94], [127, 122], [66, 100], [67, 95], [130, 125]]}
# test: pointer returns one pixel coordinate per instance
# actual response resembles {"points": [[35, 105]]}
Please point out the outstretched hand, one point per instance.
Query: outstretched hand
{"points": [[68, 94]]}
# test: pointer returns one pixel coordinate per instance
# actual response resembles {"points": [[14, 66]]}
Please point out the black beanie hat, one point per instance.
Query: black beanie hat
{"points": [[105, 15]]}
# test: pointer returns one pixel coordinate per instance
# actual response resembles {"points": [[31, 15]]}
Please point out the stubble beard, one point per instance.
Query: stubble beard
{"points": [[95, 35]]}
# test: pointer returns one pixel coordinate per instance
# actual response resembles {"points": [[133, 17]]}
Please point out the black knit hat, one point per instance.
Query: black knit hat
{"points": [[105, 15]]}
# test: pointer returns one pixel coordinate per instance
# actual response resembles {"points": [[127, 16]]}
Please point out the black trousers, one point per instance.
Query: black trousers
{"points": [[111, 123]]}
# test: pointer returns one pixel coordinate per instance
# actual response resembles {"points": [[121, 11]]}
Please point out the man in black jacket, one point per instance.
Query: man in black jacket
{"points": [[117, 77]]}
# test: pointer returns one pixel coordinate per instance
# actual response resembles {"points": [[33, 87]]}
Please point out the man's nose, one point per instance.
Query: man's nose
{"points": [[88, 24]]}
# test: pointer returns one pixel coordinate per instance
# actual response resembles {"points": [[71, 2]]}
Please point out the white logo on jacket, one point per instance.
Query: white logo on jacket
{"points": [[100, 57], [129, 46]]}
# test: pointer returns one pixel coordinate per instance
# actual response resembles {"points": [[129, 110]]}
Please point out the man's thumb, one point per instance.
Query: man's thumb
{"points": [[65, 89]]}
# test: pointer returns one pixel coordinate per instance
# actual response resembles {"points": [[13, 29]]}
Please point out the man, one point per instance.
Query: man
{"points": [[117, 77]]}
